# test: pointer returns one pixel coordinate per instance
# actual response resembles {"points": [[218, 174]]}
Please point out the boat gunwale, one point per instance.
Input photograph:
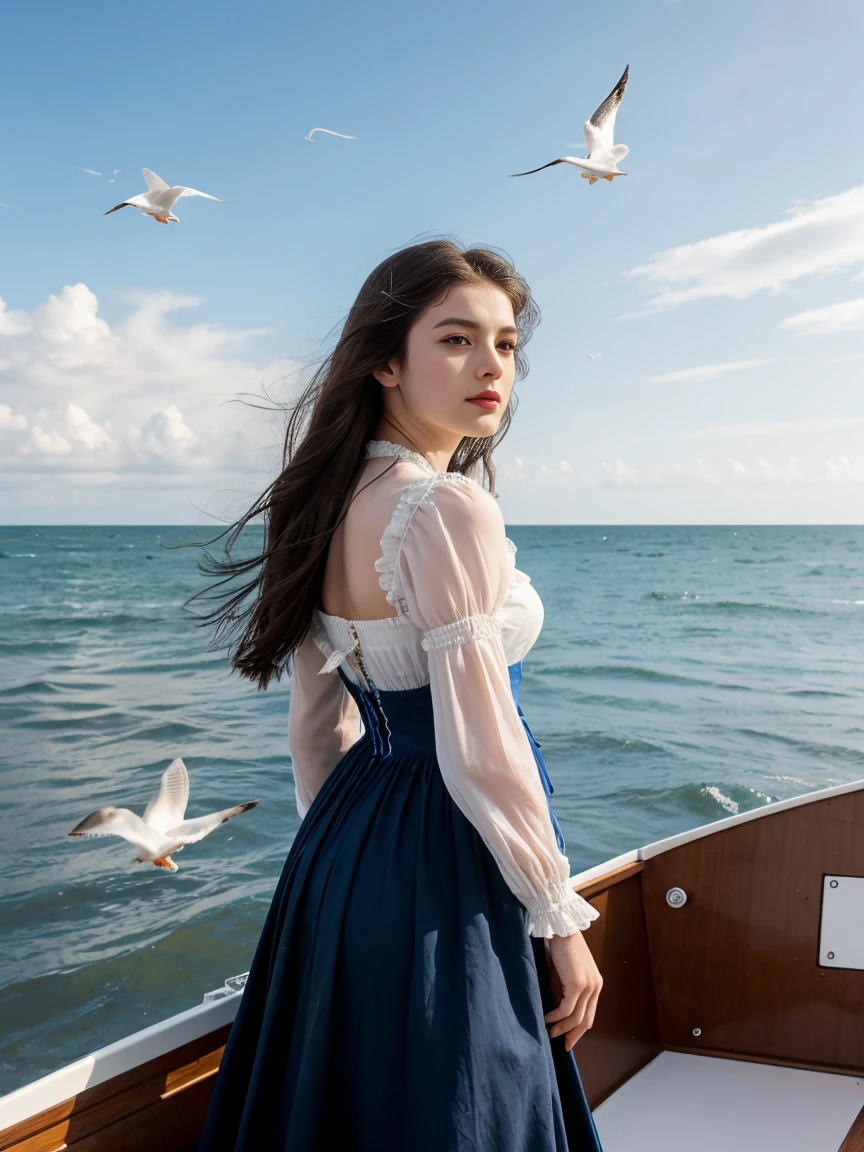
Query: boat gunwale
{"points": [[103, 1064]]}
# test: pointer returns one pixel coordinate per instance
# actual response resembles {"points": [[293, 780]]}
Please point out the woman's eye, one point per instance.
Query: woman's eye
{"points": [[457, 336]]}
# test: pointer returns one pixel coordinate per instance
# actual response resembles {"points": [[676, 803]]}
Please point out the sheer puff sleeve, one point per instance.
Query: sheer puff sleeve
{"points": [[453, 571], [323, 722]]}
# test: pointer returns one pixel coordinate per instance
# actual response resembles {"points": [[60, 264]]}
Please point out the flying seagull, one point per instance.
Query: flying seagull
{"points": [[593, 355], [601, 163], [330, 132], [162, 830], [159, 199]]}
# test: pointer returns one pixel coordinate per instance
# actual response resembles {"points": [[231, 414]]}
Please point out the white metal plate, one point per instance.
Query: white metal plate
{"points": [[841, 933]]}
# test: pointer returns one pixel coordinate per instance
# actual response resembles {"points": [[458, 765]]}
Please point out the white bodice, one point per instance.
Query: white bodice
{"points": [[464, 612], [391, 647]]}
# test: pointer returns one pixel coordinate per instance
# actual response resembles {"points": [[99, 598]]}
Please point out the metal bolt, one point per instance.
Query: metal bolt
{"points": [[833, 883], [676, 897], [697, 1031], [830, 955]]}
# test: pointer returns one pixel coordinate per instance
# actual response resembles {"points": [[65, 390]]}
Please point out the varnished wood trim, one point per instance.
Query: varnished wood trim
{"points": [[854, 1141], [189, 1074], [804, 1065], [106, 1103], [601, 883]]}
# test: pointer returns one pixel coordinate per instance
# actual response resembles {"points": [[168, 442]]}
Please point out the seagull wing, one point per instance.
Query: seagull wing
{"points": [[154, 183], [169, 804], [191, 830], [121, 822], [599, 130], [144, 200], [194, 192], [330, 132], [540, 169]]}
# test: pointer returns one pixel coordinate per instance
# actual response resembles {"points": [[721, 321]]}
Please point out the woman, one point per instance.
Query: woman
{"points": [[396, 997]]}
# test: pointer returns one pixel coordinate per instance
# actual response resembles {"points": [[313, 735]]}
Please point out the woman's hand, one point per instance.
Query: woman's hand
{"points": [[576, 983]]}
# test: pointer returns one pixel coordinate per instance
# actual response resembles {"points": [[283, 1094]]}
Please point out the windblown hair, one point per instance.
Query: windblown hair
{"points": [[328, 427]]}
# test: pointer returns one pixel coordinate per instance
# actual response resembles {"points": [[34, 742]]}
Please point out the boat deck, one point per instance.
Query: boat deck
{"points": [[681, 1102]]}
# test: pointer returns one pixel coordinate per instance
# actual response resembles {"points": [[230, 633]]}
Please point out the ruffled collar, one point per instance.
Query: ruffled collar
{"points": [[388, 448]]}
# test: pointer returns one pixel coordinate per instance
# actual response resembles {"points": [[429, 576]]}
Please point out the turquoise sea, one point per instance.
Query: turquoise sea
{"points": [[682, 674]]}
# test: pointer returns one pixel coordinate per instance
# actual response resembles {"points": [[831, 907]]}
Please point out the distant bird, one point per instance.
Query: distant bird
{"points": [[330, 132], [601, 163], [162, 830], [114, 175], [159, 199], [593, 355]]}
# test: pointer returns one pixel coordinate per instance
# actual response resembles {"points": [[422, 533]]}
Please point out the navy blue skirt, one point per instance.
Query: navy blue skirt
{"points": [[395, 999]]}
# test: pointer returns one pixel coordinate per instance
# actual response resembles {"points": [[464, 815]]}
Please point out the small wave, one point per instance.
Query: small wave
{"points": [[168, 731], [35, 687], [17, 555], [635, 672], [815, 692], [649, 555], [723, 801], [824, 751], [753, 606], [598, 742]]}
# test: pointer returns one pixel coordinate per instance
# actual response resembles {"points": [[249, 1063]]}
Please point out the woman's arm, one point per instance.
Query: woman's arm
{"points": [[453, 575], [323, 722]]}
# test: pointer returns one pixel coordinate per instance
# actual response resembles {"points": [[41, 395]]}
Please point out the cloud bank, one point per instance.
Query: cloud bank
{"points": [[144, 398]]}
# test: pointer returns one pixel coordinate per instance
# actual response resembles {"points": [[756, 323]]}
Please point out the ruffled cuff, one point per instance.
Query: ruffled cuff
{"points": [[562, 913]]}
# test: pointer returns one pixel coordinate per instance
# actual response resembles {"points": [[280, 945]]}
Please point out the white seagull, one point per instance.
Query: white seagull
{"points": [[601, 163], [162, 830], [593, 355], [329, 132], [159, 199]]}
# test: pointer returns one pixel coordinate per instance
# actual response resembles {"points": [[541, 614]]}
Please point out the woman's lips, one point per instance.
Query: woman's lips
{"points": [[484, 402]]}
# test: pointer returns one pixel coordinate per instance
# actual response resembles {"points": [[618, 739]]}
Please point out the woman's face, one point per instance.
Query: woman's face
{"points": [[456, 349]]}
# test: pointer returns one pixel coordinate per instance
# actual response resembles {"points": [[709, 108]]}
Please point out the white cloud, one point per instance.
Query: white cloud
{"points": [[843, 469], [848, 316], [706, 372], [90, 434], [11, 421], [165, 435], [781, 428], [620, 473], [49, 443], [823, 236], [144, 396], [12, 323]]}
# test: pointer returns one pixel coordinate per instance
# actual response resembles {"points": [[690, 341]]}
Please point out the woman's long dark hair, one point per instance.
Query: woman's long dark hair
{"points": [[338, 411]]}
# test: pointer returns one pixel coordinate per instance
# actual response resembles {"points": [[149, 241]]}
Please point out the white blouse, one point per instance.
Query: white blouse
{"points": [[464, 613]]}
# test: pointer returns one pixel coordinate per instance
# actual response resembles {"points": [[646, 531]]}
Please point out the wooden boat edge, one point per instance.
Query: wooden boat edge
{"points": [[113, 1060]]}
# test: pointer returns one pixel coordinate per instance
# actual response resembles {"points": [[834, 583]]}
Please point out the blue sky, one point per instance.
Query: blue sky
{"points": [[721, 280]]}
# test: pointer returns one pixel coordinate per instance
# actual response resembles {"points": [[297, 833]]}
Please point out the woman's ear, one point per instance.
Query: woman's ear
{"points": [[386, 376]]}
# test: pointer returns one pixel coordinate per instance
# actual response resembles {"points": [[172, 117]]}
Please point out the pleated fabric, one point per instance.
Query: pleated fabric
{"points": [[395, 1000]]}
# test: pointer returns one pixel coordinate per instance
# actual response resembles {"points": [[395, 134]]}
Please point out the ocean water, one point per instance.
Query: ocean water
{"points": [[682, 674]]}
